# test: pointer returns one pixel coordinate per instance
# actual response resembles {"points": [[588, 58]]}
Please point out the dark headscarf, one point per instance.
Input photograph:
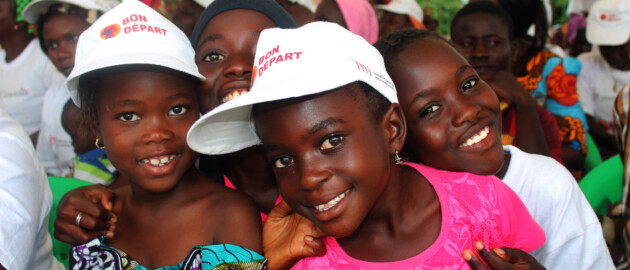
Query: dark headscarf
{"points": [[267, 7]]}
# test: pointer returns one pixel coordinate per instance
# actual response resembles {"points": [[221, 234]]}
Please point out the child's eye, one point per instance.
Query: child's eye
{"points": [[213, 57], [429, 110], [52, 45], [74, 38], [178, 110], [128, 117], [282, 162], [331, 142], [470, 84], [494, 42], [465, 44]]}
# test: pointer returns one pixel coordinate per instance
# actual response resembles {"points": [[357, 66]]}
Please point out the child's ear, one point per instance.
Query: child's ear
{"points": [[394, 123]]}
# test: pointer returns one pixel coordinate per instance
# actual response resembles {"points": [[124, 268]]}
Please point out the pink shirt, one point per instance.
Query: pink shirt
{"points": [[473, 208]]}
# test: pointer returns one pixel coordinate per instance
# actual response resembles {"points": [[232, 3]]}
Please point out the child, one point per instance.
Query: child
{"points": [[91, 163], [549, 78], [225, 56], [59, 24], [399, 14], [428, 87], [25, 71], [605, 70], [336, 161], [483, 32], [135, 81]]}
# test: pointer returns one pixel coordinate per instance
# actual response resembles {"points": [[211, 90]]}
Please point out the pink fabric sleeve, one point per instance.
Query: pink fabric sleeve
{"points": [[360, 18], [520, 229]]}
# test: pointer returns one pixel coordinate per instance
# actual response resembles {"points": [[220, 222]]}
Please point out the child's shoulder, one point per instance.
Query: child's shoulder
{"points": [[220, 199]]}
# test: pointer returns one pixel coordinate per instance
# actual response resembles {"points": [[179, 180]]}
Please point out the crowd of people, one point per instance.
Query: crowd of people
{"points": [[313, 134]]}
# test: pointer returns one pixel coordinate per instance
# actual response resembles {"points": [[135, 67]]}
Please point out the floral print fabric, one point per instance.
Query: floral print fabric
{"points": [[97, 255]]}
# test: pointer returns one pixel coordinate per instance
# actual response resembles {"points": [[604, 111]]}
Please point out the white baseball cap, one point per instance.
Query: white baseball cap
{"points": [[291, 63], [131, 33], [204, 3], [35, 9], [608, 23], [403, 7]]}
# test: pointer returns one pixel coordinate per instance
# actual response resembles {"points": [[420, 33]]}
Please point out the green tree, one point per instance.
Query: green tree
{"points": [[443, 11]]}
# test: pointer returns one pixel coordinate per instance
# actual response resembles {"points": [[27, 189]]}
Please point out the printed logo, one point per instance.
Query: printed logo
{"points": [[255, 75], [609, 17], [110, 31]]}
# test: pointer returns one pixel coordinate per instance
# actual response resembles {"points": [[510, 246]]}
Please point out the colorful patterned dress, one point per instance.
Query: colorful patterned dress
{"points": [[97, 255]]}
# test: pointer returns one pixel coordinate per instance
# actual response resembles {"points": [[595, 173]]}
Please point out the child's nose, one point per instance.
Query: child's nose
{"points": [[157, 133], [239, 66], [313, 174], [467, 111], [479, 50]]}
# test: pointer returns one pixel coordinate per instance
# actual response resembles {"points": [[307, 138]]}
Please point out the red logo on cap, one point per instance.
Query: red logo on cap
{"points": [[255, 75], [110, 31], [609, 17]]}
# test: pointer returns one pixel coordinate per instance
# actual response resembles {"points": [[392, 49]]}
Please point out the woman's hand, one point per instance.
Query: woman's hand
{"points": [[289, 237], [500, 258], [94, 205]]}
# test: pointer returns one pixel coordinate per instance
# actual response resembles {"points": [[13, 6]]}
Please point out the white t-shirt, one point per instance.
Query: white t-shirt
{"points": [[54, 144], [598, 85], [25, 201], [553, 198], [23, 83]]}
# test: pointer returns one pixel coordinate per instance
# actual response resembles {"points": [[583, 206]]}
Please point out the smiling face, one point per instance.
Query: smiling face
{"points": [[60, 34], [331, 159], [143, 120], [225, 55], [485, 42], [452, 115]]}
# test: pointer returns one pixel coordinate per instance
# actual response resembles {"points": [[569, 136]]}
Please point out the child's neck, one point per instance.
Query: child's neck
{"points": [[405, 220], [14, 44], [141, 198]]}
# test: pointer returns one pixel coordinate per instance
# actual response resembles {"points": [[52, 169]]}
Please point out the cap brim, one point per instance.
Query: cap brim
{"points": [[34, 10], [125, 59]]}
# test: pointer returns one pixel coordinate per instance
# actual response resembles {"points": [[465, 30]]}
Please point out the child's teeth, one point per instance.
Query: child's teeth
{"points": [[477, 138], [331, 203], [155, 162], [164, 160]]}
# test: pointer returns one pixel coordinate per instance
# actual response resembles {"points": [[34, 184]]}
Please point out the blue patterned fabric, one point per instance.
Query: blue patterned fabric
{"points": [[97, 255]]}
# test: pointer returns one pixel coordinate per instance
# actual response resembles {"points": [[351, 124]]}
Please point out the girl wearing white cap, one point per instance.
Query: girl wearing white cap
{"points": [[59, 24], [326, 113], [135, 80], [224, 55]]}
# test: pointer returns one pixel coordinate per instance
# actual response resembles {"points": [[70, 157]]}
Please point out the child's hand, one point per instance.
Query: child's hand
{"points": [[500, 258], [94, 203], [288, 237], [508, 89]]}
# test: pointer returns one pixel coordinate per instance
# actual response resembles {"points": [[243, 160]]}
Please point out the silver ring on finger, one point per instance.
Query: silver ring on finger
{"points": [[78, 220]]}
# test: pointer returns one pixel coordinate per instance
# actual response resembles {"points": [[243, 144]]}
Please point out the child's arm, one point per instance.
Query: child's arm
{"points": [[530, 136], [95, 204], [289, 237], [500, 258]]}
